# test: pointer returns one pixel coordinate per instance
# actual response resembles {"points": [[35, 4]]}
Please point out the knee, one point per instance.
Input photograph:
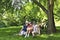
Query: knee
{"points": [[32, 32]]}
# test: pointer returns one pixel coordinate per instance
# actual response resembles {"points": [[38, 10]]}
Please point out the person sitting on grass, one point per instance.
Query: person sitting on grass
{"points": [[24, 30], [29, 29], [36, 29]]}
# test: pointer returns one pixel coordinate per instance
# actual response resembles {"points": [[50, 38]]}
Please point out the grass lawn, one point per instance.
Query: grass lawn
{"points": [[9, 34]]}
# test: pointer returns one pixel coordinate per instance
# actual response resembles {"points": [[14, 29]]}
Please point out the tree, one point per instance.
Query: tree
{"points": [[51, 25]]}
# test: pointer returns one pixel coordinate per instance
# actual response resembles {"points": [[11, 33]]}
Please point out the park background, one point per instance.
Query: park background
{"points": [[14, 13]]}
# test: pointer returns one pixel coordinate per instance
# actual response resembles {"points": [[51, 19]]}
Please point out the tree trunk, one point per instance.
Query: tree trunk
{"points": [[51, 24]]}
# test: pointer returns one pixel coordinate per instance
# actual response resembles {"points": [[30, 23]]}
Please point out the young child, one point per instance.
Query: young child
{"points": [[36, 29], [24, 30], [29, 28]]}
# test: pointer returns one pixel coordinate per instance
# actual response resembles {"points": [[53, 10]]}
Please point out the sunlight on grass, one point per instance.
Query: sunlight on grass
{"points": [[51, 34], [44, 36], [8, 33]]}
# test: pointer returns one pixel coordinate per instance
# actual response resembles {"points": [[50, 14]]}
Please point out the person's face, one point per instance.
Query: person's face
{"points": [[26, 24]]}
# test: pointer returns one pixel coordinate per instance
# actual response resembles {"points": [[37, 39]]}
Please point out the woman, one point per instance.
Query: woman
{"points": [[29, 28]]}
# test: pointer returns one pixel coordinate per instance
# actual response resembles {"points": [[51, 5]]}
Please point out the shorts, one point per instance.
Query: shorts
{"points": [[23, 33]]}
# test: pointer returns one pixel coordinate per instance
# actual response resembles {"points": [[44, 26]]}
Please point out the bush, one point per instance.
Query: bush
{"points": [[2, 24]]}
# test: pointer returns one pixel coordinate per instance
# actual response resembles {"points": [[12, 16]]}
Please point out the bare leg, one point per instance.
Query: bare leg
{"points": [[28, 33], [25, 34], [33, 34]]}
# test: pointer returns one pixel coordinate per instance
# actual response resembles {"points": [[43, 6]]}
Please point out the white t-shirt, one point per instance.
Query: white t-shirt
{"points": [[35, 28]]}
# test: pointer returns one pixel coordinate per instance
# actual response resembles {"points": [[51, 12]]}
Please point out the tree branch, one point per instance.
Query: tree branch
{"points": [[41, 6]]}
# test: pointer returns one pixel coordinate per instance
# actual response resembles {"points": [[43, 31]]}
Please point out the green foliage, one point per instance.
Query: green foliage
{"points": [[30, 11], [57, 10]]}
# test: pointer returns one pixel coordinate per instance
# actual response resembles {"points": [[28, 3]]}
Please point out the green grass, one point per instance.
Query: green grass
{"points": [[8, 33]]}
